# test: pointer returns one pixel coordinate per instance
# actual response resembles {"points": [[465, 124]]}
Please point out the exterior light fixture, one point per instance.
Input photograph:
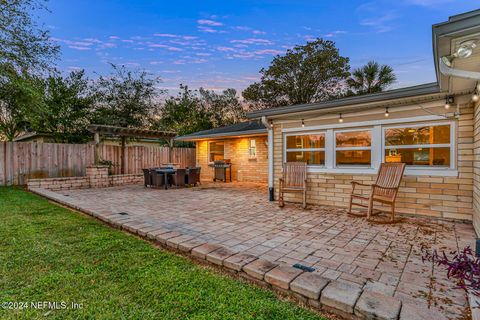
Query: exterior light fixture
{"points": [[475, 97], [340, 119], [448, 101], [303, 124], [464, 50], [271, 124], [387, 114]]}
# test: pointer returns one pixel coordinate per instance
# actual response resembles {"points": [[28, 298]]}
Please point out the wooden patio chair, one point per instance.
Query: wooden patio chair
{"points": [[294, 180], [384, 190]]}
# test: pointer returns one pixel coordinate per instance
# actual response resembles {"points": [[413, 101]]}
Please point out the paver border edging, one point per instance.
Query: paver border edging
{"points": [[310, 289]]}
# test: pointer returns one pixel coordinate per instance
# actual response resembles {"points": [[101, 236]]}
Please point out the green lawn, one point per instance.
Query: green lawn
{"points": [[48, 253]]}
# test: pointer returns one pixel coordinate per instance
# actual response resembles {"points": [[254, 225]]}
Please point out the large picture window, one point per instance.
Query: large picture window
{"points": [[216, 151], [427, 148], [353, 148], [309, 148], [419, 145]]}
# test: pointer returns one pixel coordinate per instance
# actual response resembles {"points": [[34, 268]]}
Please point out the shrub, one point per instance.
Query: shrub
{"points": [[462, 266]]}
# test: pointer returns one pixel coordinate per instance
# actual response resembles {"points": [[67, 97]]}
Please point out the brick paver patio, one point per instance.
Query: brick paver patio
{"points": [[380, 258]]}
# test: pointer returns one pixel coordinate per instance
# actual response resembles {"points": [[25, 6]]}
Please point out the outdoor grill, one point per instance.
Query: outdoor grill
{"points": [[220, 170]]}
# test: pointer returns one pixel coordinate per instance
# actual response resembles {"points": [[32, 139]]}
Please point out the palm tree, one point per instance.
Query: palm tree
{"points": [[371, 78]]}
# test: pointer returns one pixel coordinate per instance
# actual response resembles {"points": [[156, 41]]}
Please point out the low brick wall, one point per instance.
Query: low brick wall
{"points": [[96, 177]]}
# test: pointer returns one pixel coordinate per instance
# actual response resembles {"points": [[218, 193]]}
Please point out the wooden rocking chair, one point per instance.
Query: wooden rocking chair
{"points": [[294, 180], [384, 190]]}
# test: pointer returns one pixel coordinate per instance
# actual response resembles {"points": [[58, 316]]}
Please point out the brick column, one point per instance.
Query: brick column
{"points": [[98, 176]]}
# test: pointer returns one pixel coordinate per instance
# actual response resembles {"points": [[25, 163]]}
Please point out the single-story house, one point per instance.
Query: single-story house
{"points": [[434, 128]]}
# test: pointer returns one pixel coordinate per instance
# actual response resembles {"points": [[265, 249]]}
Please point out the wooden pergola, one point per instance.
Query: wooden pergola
{"points": [[124, 133]]}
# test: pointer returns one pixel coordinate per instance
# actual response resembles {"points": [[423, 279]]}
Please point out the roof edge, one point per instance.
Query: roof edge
{"points": [[221, 135], [413, 91]]}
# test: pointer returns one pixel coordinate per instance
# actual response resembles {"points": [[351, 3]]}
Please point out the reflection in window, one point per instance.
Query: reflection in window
{"points": [[419, 146], [306, 148], [353, 148], [252, 148], [216, 151]]}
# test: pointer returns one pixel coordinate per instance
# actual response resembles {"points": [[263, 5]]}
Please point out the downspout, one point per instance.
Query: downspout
{"points": [[270, 158]]}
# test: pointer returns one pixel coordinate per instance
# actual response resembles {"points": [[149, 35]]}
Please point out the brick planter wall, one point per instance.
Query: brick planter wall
{"points": [[96, 177]]}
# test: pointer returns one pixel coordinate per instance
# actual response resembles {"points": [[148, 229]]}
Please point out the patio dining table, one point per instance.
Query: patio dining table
{"points": [[166, 172]]}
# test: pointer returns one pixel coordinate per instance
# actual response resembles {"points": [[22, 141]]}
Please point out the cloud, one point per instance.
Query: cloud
{"points": [[155, 62], [269, 52], [211, 23], [114, 37], [334, 33], [164, 46], [207, 29], [380, 23], [242, 28], [225, 49], [79, 48], [257, 41], [165, 35], [258, 32]]}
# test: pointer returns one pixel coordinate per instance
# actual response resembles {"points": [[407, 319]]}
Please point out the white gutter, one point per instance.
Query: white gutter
{"points": [[270, 158]]}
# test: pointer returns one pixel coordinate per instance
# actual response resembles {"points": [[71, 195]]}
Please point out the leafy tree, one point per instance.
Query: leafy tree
{"points": [[20, 94], [23, 43], [184, 113], [370, 78], [126, 98], [305, 74], [224, 108], [68, 103]]}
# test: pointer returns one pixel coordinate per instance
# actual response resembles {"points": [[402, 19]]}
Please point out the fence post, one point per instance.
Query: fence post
{"points": [[96, 138]]}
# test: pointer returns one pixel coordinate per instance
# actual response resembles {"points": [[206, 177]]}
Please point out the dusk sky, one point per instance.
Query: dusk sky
{"points": [[221, 44]]}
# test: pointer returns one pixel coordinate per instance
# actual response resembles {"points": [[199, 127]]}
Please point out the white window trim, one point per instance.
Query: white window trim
{"points": [[285, 149], [377, 147]]}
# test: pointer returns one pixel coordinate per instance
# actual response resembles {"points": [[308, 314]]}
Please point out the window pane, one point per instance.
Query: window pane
{"points": [[419, 156], [353, 139], [216, 151], [310, 157], [306, 141], [353, 157], [418, 135], [252, 149]]}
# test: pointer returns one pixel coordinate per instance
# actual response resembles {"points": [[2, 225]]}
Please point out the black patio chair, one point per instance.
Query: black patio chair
{"points": [[147, 176], [158, 179], [177, 179], [193, 176]]}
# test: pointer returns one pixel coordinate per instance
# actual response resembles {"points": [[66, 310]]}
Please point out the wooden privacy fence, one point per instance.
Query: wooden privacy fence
{"points": [[22, 160]]}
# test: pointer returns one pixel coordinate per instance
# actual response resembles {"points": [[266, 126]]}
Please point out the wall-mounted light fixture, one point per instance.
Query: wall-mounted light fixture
{"points": [[448, 102], [303, 124], [340, 118], [476, 93], [387, 114]]}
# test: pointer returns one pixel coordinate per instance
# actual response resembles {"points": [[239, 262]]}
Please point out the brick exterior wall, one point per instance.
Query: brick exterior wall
{"points": [[96, 177], [244, 169], [445, 197], [476, 168]]}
